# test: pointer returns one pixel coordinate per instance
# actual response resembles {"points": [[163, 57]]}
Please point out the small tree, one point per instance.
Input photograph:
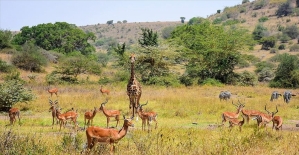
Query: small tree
{"points": [[245, 1], [259, 32], [268, 42], [125, 21], [182, 19], [148, 38], [12, 92], [110, 22], [292, 31], [5, 39], [284, 9]]}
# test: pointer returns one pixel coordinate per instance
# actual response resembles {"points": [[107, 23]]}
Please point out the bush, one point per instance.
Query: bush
{"points": [[164, 81], [30, 58], [212, 82], [268, 42], [273, 50], [166, 32], [263, 19], [284, 10], [285, 38], [258, 4], [281, 47], [186, 80], [292, 31], [6, 68], [246, 79], [294, 48], [12, 92]]}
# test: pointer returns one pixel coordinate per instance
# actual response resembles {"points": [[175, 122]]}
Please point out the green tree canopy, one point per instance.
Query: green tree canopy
{"points": [[61, 37], [148, 38], [287, 72], [5, 39], [212, 51]]}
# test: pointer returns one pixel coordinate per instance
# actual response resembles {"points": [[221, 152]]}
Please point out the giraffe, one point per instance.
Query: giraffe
{"points": [[133, 88]]}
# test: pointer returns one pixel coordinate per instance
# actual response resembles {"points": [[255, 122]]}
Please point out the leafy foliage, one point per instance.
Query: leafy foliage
{"points": [[166, 32], [284, 9], [259, 32], [148, 38], [286, 70], [196, 20], [30, 58], [6, 68], [268, 42], [69, 69], [61, 37], [211, 50], [12, 92], [292, 31], [5, 39]]}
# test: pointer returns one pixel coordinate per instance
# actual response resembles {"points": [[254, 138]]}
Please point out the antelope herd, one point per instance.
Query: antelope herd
{"points": [[110, 135]]}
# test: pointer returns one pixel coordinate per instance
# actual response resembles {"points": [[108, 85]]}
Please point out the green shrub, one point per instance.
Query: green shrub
{"points": [[246, 79], [212, 82], [263, 19], [104, 81], [186, 80], [6, 68], [273, 50], [258, 4], [231, 22], [281, 47]]}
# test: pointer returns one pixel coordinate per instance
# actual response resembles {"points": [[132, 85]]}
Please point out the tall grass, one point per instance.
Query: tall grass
{"points": [[188, 121]]}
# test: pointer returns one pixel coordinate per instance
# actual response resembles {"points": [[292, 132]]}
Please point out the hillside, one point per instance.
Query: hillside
{"points": [[246, 16]]}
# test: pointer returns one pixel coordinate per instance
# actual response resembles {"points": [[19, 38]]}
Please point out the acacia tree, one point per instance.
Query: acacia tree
{"points": [[211, 51], [61, 37], [148, 38], [5, 39]]}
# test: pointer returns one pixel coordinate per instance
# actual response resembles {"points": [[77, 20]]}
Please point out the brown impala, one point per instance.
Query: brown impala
{"points": [[53, 91], [53, 110], [103, 135], [232, 115], [147, 117], [110, 113], [70, 115], [89, 116], [104, 91], [264, 119], [12, 113], [277, 123]]}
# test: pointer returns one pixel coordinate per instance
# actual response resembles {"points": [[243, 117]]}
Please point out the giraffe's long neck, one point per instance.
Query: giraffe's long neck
{"points": [[132, 71]]}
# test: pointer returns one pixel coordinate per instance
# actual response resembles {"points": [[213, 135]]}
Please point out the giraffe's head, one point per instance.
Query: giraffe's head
{"points": [[132, 58]]}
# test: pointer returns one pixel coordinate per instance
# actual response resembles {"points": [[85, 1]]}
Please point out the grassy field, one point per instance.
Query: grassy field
{"points": [[188, 120]]}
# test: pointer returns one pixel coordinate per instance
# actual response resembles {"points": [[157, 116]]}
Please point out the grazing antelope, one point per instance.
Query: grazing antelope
{"points": [[232, 115], [277, 123], [250, 113], [103, 135], [53, 91], [110, 113], [12, 113], [235, 122], [89, 116], [104, 91], [264, 119], [152, 115], [274, 96], [70, 115], [53, 110]]}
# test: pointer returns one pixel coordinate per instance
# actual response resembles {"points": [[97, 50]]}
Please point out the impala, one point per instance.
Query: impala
{"points": [[152, 115], [53, 110], [70, 115], [53, 91], [250, 113], [103, 135], [235, 122], [104, 91], [232, 115], [145, 117], [264, 119], [110, 113], [12, 113], [277, 123], [89, 116]]}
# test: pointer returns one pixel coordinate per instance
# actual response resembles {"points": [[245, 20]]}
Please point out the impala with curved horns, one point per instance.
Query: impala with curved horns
{"points": [[264, 119], [250, 113], [232, 115], [147, 116], [110, 113], [103, 135], [70, 115]]}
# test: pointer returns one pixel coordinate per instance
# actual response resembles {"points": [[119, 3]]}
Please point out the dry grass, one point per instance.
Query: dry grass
{"points": [[187, 121]]}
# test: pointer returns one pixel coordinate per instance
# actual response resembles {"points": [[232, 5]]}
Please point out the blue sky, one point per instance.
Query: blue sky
{"points": [[14, 14]]}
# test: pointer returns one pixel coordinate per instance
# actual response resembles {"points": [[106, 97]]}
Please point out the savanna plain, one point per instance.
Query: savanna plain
{"points": [[188, 119]]}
